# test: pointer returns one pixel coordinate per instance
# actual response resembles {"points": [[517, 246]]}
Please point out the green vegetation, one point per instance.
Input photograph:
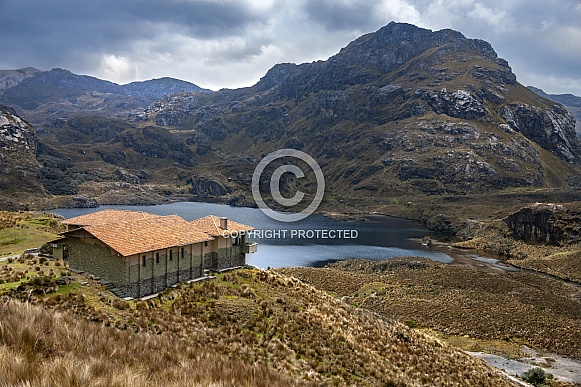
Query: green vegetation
{"points": [[24, 230], [535, 376]]}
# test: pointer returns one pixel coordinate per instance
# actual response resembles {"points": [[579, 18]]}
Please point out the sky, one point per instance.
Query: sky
{"points": [[229, 44]]}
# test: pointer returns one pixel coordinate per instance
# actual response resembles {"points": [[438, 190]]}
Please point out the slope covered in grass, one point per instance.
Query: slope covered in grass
{"points": [[518, 307], [41, 347], [255, 325]]}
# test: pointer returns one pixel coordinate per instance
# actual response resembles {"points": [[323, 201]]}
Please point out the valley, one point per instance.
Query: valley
{"points": [[428, 126]]}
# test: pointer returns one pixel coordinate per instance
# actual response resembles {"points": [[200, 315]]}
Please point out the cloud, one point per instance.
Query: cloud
{"points": [[232, 43]]}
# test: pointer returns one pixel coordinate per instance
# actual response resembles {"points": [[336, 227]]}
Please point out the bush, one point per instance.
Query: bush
{"points": [[535, 376]]}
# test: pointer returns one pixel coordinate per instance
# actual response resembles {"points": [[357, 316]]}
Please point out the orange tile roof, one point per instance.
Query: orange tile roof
{"points": [[211, 225], [109, 216], [156, 233]]}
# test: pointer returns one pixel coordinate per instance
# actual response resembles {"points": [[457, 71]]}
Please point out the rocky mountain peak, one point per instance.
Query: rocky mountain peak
{"points": [[11, 78], [434, 110]]}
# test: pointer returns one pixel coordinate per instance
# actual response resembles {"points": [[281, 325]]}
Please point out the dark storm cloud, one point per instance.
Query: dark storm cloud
{"points": [[232, 43], [64, 31], [333, 15]]}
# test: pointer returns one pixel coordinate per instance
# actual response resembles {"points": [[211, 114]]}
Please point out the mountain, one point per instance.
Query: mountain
{"points": [[58, 93], [400, 112], [11, 78], [157, 88], [19, 171], [570, 101]]}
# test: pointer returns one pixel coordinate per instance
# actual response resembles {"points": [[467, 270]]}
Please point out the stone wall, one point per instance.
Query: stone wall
{"points": [[156, 276], [96, 259], [129, 274], [225, 257]]}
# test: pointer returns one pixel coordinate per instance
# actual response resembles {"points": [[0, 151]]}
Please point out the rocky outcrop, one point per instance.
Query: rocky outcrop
{"points": [[553, 129], [570, 101], [460, 104], [206, 188], [554, 224], [19, 170]]}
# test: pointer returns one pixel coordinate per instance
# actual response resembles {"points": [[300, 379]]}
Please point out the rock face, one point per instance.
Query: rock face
{"points": [[554, 224], [19, 169], [207, 188], [553, 129], [570, 101]]}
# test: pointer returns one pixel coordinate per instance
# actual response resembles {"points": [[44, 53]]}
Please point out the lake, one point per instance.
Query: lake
{"points": [[313, 241]]}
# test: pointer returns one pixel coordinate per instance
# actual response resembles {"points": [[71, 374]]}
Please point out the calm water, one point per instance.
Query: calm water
{"points": [[283, 245]]}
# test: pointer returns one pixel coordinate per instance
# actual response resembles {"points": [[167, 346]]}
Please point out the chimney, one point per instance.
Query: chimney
{"points": [[224, 223]]}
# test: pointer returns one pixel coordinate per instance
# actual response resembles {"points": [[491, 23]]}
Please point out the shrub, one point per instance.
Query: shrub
{"points": [[10, 260], [535, 376], [46, 248]]}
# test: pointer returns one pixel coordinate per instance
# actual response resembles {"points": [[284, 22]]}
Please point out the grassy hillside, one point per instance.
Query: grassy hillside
{"points": [[24, 230], [247, 327], [41, 347], [515, 307]]}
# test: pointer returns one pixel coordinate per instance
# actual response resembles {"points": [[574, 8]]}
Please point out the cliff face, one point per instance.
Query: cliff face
{"points": [[19, 169], [554, 224]]}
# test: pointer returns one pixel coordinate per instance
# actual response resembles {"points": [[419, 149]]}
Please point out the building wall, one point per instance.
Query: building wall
{"points": [[162, 269], [147, 273], [90, 255], [129, 274], [223, 254]]}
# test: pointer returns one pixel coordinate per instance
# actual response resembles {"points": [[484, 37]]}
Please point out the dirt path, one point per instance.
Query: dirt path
{"points": [[562, 368]]}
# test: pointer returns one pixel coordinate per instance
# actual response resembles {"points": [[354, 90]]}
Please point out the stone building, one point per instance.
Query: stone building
{"points": [[140, 253], [228, 248]]}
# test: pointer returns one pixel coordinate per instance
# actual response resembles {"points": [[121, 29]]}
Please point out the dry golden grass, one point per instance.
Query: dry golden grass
{"points": [[40, 347], [517, 307], [274, 323], [563, 262]]}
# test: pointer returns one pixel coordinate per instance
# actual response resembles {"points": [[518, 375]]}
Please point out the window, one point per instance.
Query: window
{"points": [[170, 255], [206, 243], [143, 261], [156, 257], [183, 252]]}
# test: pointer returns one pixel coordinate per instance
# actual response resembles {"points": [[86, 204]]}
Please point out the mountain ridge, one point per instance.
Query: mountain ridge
{"points": [[460, 87], [37, 95], [399, 112]]}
